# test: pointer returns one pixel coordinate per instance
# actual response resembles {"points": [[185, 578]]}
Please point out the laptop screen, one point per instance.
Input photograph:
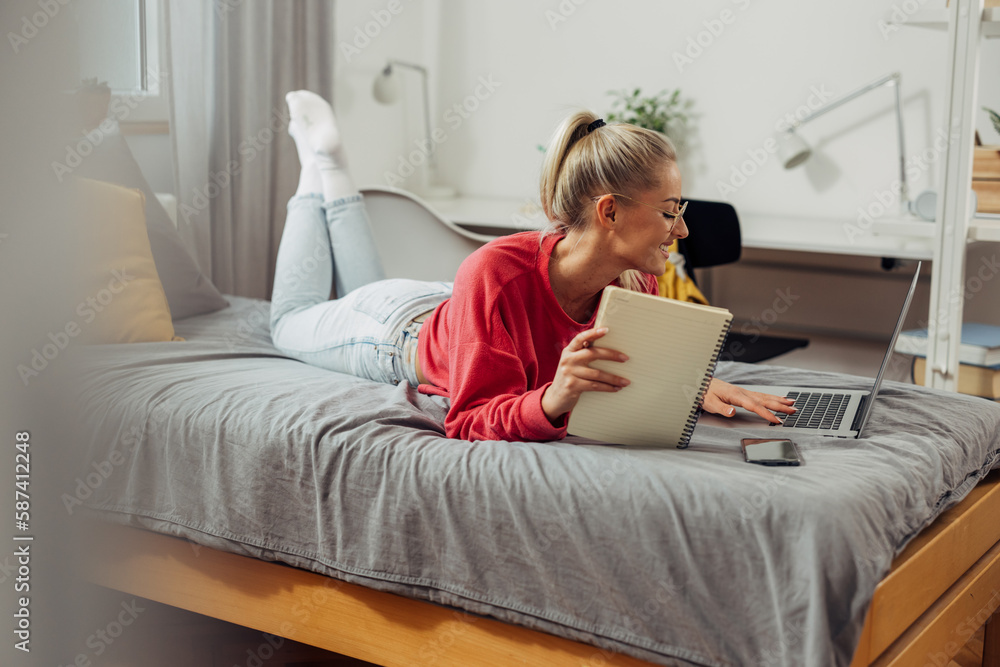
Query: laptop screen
{"points": [[888, 353]]}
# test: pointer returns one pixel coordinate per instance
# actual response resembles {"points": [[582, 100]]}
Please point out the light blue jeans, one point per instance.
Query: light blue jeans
{"points": [[368, 331]]}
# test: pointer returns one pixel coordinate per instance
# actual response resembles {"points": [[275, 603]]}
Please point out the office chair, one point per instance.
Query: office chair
{"points": [[714, 239]]}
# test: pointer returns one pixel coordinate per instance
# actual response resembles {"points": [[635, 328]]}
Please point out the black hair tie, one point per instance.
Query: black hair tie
{"points": [[596, 124]]}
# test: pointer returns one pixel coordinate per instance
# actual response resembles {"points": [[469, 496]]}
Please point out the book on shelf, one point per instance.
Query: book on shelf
{"points": [[975, 380], [672, 347], [980, 344]]}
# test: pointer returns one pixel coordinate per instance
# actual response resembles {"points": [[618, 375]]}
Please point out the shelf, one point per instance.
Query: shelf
{"points": [[980, 228], [937, 19], [985, 229]]}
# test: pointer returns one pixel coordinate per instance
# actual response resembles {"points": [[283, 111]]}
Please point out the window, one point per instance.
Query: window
{"points": [[119, 43]]}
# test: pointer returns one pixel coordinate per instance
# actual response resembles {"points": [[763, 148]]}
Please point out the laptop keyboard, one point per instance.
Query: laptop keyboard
{"points": [[816, 410]]}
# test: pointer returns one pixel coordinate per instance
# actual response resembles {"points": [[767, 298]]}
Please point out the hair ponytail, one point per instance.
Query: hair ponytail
{"points": [[580, 164]]}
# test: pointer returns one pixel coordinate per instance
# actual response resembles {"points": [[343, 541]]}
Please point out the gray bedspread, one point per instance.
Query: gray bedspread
{"points": [[675, 556]]}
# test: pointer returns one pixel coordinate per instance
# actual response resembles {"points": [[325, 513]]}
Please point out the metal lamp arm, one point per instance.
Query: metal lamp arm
{"points": [[893, 78], [427, 106]]}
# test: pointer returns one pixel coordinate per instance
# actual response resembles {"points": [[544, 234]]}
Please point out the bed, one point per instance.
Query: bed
{"points": [[331, 510]]}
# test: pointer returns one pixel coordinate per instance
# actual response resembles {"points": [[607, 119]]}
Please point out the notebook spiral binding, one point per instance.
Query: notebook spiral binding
{"points": [[692, 419]]}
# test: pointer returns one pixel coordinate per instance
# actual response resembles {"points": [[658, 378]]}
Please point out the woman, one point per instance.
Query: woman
{"points": [[510, 342]]}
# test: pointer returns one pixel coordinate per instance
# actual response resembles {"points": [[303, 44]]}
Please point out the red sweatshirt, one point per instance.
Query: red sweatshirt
{"points": [[494, 346]]}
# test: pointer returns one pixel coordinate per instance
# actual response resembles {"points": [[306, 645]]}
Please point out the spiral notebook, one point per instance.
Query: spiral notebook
{"points": [[673, 347]]}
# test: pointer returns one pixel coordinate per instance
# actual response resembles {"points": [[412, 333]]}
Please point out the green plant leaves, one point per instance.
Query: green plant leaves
{"points": [[664, 112], [994, 117]]}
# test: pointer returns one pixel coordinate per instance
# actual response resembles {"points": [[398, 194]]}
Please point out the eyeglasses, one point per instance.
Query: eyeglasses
{"points": [[671, 214]]}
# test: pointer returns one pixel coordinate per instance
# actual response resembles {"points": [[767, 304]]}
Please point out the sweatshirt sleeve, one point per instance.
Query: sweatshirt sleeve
{"points": [[490, 399]]}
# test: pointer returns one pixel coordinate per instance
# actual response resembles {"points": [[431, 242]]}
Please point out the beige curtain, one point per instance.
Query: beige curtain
{"points": [[230, 64]]}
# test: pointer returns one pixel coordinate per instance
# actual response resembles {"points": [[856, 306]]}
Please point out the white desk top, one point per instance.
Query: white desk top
{"points": [[905, 239], [884, 238], [519, 214]]}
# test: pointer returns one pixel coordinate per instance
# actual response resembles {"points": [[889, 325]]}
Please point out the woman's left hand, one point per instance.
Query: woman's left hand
{"points": [[722, 396]]}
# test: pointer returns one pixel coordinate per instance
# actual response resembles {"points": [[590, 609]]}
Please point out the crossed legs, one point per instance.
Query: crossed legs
{"points": [[327, 241]]}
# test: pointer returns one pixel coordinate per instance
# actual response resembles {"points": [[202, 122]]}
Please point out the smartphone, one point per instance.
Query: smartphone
{"points": [[770, 451]]}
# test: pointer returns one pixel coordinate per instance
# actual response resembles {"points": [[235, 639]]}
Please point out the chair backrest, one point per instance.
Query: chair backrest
{"points": [[713, 234], [414, 241]]}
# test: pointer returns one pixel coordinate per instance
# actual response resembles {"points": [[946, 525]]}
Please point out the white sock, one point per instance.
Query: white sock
{"points": [[315, 132], [309, 178]]}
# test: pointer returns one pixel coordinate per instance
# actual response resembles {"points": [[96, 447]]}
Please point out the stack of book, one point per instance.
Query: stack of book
{"points": [[978, 356]]}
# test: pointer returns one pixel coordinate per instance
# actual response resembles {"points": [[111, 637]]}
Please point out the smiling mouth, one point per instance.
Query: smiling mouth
{"points": [[665, 248]]}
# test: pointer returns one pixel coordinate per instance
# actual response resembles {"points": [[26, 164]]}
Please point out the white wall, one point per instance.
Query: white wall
{"points": [[369, 33], [764, 60]]}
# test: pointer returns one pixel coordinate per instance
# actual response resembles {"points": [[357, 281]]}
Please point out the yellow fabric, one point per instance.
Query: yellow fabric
{"points": [[121, 296], [673, 286]]}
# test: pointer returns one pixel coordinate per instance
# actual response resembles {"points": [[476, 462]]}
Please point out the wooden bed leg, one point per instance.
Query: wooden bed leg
{"points": [[991, 641]]}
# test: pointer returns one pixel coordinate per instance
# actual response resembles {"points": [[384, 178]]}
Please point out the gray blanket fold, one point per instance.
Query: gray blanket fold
{"points": [[674, 556]]}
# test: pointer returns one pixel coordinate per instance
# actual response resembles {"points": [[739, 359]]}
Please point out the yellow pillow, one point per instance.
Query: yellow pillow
{"points": [[676, 284], [121, 296]]}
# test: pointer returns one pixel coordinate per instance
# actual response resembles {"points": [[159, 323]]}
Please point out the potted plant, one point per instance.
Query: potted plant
{"points": [[986, 170], [665, 112]]}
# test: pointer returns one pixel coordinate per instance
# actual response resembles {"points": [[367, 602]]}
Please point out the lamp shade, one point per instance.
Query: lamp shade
{"points": [[792, 149], [386, 86]]}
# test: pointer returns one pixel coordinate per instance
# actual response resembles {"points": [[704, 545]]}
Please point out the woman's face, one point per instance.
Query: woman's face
{"points": [[643, 232]]}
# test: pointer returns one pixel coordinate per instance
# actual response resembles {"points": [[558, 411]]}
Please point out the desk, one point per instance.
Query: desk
{"points": [[882, 238], [485, 215], [904, 239]]}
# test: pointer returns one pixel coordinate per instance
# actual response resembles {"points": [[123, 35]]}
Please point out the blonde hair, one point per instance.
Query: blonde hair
{"points": [[617, 157]]}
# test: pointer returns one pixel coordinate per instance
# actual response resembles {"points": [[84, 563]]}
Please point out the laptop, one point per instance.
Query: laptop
{"points": [[840, 413]]}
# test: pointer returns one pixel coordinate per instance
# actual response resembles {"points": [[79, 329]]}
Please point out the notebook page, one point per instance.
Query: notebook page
{"points": [[672, 349]]}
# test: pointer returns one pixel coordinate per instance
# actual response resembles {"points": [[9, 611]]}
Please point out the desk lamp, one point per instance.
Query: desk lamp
{"points": [[793, 150], [386, 90]]}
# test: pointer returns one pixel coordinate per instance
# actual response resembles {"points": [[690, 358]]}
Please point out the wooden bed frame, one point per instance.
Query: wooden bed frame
{"points": [[941, 589]]}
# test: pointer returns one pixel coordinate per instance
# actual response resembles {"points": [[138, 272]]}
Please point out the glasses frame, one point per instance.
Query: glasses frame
{"points": [[675, 216]]}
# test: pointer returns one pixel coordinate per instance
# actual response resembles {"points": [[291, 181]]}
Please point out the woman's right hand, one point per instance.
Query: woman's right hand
{"points": [[575, 376]]}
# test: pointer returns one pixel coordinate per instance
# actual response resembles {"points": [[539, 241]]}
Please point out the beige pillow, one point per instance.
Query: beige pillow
{"points": [[122, 298]]}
